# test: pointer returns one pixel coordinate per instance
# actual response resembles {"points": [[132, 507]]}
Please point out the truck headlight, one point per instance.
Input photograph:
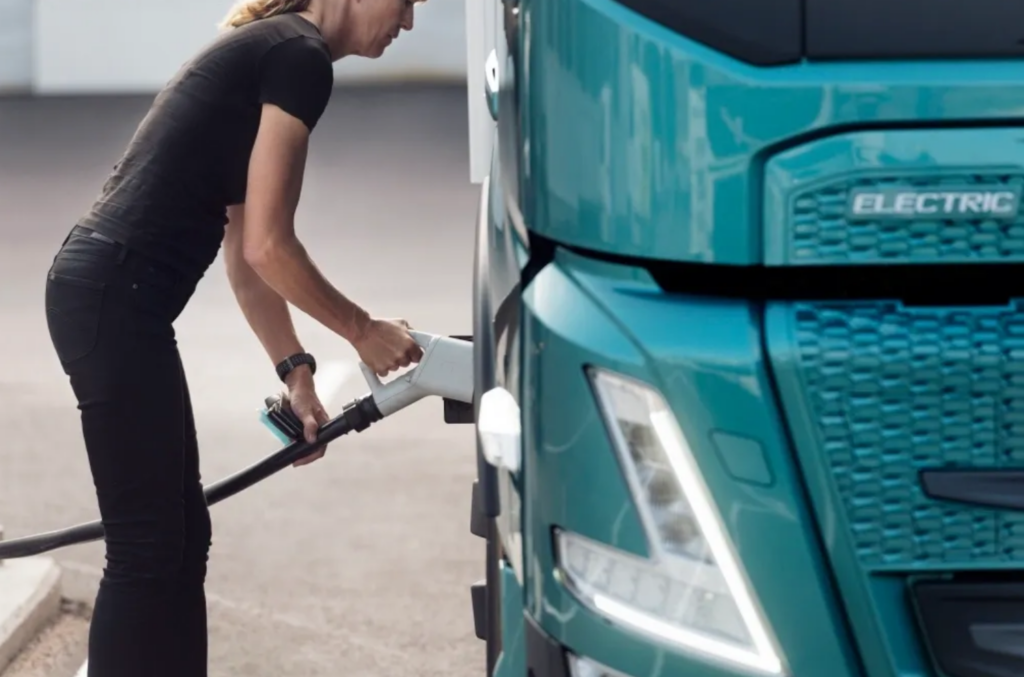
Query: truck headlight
{"points": [[692, 591]]}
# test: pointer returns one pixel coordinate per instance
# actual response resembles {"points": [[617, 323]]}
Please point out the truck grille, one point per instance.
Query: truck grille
{"points": [[891, 391], [819, 232]]}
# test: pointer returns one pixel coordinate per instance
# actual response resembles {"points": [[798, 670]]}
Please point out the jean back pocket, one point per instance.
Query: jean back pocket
{"points": [[73, 307]]}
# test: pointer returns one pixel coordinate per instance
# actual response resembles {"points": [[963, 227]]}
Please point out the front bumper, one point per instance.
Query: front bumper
{"points": [[545, 657], [705, 357]]}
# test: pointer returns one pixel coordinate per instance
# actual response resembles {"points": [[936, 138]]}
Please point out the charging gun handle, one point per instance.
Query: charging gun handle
{"points": [[401, 392]]}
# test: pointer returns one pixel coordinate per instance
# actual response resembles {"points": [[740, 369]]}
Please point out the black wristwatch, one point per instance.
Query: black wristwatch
{"points": [[288, 364]]}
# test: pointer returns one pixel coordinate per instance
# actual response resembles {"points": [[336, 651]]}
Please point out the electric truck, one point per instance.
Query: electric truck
{"points": [[748, 337]]}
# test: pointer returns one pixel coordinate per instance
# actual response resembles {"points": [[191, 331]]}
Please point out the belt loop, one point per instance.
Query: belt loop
{"points": [[122, 254]]}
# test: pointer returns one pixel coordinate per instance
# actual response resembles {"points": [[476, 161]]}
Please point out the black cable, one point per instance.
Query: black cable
{"points": [[356, 416]]}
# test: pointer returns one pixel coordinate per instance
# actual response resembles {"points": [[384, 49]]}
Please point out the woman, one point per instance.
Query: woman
{"points": [[218, 161]]}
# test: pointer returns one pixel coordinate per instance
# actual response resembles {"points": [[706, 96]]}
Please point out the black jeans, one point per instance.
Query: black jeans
{"points": [[110, 313]]}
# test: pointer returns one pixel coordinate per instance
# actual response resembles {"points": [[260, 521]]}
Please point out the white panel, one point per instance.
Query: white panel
{"points": [[126, 46], [480, 19], [15, 45]]}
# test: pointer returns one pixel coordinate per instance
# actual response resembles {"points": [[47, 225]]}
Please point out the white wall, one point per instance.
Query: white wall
{"points": [[15, 45], [134, 46]]}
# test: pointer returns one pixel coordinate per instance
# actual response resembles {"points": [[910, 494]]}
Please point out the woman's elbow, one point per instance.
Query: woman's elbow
{"points": [[267, 236], [258, 255], [265, 254]]}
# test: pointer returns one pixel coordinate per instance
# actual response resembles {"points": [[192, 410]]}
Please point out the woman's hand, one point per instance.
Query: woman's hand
{"points": [[304, 403], [386, 346]]}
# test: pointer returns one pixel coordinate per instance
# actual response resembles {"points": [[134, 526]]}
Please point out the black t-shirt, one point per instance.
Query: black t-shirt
{"points": [[189, 158]]}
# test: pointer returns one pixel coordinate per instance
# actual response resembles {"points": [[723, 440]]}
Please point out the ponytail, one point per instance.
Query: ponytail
{"points": [[248, 11]]}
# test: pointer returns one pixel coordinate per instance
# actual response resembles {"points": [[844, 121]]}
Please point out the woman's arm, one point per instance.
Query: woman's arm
{"points": [[264, 309], [271, 248], [268, 316]]}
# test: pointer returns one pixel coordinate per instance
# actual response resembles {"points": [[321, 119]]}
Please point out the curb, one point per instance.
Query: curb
{"points": [[30, 598]]}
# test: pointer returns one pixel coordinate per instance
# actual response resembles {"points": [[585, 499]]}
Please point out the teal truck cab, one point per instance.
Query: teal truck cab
{"points": [[749, 338]]}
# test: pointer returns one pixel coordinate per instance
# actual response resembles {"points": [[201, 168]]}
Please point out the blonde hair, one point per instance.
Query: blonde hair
{"points": [[248, 11]]}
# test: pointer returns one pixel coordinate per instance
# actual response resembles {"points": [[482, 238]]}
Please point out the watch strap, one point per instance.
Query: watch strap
{"points": [[288, 364]]}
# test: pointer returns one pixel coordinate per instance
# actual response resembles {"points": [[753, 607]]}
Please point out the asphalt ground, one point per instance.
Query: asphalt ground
{"points": [[359, 564]]}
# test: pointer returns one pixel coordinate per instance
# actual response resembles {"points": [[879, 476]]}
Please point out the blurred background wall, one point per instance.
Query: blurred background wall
{"points": [[16, 44], [134, 46]]}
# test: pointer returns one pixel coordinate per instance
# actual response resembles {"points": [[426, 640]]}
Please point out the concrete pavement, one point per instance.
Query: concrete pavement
{"points": [[359, 564], [29, 601]]}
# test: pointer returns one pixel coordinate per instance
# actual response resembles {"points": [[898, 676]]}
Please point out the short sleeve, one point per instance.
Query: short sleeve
{"points": [[297, 76]]}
